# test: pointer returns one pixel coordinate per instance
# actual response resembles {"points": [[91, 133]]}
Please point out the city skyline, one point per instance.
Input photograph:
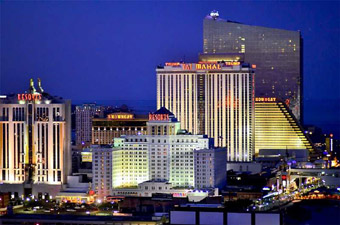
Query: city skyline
{"points": [[183, 112], [36, 34]]}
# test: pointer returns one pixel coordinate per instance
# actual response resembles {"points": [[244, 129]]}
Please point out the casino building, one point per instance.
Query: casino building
{"points": [[277, 54], [35, 132], [276, 127], [165, 153], [104, 130], [212, 98], [84, 116]]}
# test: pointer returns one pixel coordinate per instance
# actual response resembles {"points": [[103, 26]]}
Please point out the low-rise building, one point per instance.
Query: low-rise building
{"points": [[149, 188], [76, 191], [4, 199]]}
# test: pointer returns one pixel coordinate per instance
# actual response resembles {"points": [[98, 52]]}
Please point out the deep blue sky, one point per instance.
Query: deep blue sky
{"points": [[107, 51]]}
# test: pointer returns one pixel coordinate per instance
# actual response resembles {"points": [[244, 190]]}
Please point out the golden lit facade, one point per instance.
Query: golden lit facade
{"points": [[104, 130], [34, 138], [216, 99], [276, 127]]}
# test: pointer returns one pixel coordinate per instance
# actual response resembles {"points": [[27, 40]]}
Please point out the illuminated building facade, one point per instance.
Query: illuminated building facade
{"points": [[130, 163], [165, 153], [216, 99], [276, 127], [104, 130], [276, 53], [84, 116], [102, 171], [35, 141]]}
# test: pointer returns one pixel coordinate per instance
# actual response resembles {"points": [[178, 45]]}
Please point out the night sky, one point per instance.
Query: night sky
{"points": [[107, 51]]}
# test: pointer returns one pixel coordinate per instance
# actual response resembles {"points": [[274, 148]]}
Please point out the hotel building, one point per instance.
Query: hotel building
{"points": [[210, 168], [277, 128], [212, 98], [102, 171], [35, 132], [84, 116], [165, 153], [277, 54], [104, 130]]}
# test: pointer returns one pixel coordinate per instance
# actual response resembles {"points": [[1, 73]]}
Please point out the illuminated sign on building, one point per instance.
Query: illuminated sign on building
{"points": [[210, 66], [202, 66], [159, 117], [187, 66], [172, 64], [120, 116], [232, 63], [29, 97], [265, 99]]}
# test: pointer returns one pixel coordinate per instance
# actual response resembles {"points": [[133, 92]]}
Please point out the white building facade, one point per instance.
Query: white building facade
{"points": [[163, 154], [216, 99], [35, 141]]}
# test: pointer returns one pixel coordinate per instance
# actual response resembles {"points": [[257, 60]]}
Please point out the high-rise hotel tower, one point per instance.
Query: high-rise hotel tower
{"points": [[35, 142], [277, 54], [216, 99]]}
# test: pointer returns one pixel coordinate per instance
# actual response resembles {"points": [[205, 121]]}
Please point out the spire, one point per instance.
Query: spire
{"points": [[41, 90], [32, 88]]}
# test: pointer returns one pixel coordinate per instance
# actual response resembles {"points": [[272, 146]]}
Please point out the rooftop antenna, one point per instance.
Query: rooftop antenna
{"points": [[214, 14]]}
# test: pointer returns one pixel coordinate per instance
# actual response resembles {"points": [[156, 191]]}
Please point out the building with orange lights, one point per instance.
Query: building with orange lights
{"points": [[212, 98], [104, 130], [276, 128]]}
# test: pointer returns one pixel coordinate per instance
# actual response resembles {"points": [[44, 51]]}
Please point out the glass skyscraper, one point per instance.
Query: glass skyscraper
{"points": [[276, 53]]}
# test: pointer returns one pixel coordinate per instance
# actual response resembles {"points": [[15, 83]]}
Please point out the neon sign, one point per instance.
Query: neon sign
{"points": [[120, 116], [172, 64], [203, 66], [232, 63], [187, 66], [159, 117], [266, 99], [29, 97]]}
